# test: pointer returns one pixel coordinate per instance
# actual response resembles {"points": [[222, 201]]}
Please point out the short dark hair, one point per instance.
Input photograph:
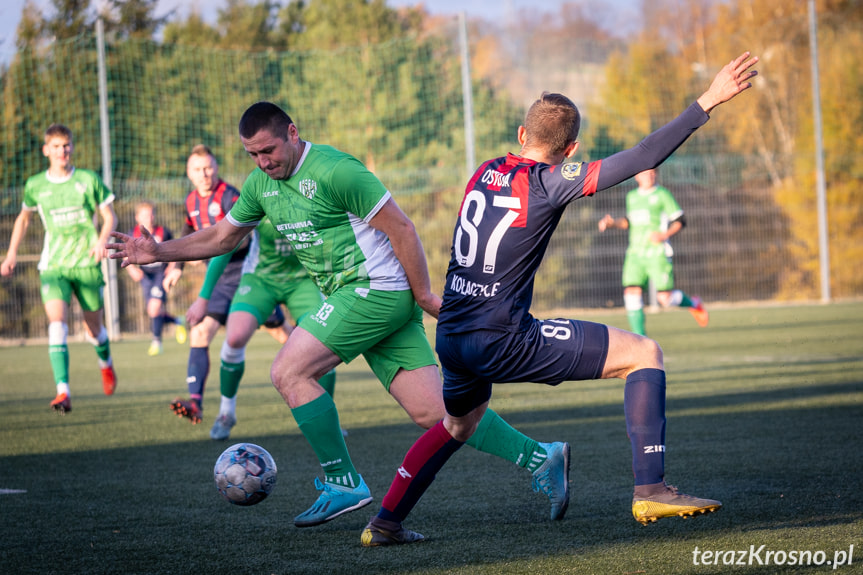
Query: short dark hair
{"points": [[552, 123], [58, 130], [264, 116]]}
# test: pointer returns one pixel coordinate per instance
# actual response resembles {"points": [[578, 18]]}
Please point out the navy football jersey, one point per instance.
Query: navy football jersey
{"points": [[511, 207]]}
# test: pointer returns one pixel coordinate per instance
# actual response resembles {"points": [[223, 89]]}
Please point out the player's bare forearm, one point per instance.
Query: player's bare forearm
{"points": [[196, 312], [409, 251], [135, 273], [172, 276], [418, 277], [610, 223], [731, 80], [203, 244], [109, 224], [19, 230]]}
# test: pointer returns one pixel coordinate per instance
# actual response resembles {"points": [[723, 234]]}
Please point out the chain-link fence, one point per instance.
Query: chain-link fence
{"points": [[398, 107]]}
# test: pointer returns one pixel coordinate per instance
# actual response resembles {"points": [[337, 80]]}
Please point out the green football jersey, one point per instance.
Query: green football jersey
{"points": [[67, 208], [271, 256], [323, 210], [650, 211]]}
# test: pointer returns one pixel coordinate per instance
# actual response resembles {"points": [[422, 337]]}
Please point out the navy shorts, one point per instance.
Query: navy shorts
{"points": [[549, 351], [276, 319], [223, 292], [151, 284]]}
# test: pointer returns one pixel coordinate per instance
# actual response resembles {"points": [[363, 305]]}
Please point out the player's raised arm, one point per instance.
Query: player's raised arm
{"points": [[731, 80], [203, 244]]}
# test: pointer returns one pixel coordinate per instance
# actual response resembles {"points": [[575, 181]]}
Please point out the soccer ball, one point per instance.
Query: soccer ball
{"points": [[245, 474]]}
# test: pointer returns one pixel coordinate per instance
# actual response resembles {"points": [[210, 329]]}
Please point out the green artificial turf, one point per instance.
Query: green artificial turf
{"points": [[765, 413]]}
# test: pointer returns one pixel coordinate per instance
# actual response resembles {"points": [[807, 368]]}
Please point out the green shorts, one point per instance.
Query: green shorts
{"points": [[85, 283], [637, 269], [259, 296], [385, 327]]}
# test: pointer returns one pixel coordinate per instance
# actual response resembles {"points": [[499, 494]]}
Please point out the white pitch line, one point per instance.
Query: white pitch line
{"points": [[11, 491]]}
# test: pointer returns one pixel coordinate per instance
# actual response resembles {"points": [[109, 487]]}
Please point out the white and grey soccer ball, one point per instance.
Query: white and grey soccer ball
{"points": [[245, 474]]}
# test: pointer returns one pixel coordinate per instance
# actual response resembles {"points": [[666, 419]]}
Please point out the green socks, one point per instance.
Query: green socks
{"points": [[686, 301], [328, 382], [495, 436], [636, 321], [103, 350], [59, 356], [230, 375], [319, 422]]}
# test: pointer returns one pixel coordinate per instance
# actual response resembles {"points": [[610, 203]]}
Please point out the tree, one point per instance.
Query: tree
{"points": [[29, 29], [840, 43], [194, 31], [72, 18], [290, 24], [640, 92], [250, 26], [334, 23], [134, 19]]}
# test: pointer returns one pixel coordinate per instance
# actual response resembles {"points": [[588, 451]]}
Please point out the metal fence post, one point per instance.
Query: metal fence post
{"points": [[467, 96], [821, 186], [109, 266]]}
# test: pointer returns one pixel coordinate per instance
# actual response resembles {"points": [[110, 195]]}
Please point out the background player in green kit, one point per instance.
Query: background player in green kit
{"points": [[653, 216], [365, 256], [67, 199], [272, 275]]}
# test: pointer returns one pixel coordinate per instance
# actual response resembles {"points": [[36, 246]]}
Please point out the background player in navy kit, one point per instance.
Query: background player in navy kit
{"points": [[485, 332], [207, 204], [152, 278]]}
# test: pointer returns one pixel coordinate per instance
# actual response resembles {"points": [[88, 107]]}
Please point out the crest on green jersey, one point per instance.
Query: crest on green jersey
{"points": [[308, 188]]}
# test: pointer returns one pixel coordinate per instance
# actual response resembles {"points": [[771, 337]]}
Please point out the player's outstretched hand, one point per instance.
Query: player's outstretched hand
{"points": [[196, 312], [430, 303], [99, 251], [134, 250], [8, 265], [606, 222], [731, 80], [172, 276]]}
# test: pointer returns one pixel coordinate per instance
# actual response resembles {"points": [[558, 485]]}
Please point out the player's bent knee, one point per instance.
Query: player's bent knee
{"points": [[628, 352], [202, 334], [236, 341], [425, 415], [426, 421], [286, 379], [233, 354], [650, 353], [462, 428]]}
